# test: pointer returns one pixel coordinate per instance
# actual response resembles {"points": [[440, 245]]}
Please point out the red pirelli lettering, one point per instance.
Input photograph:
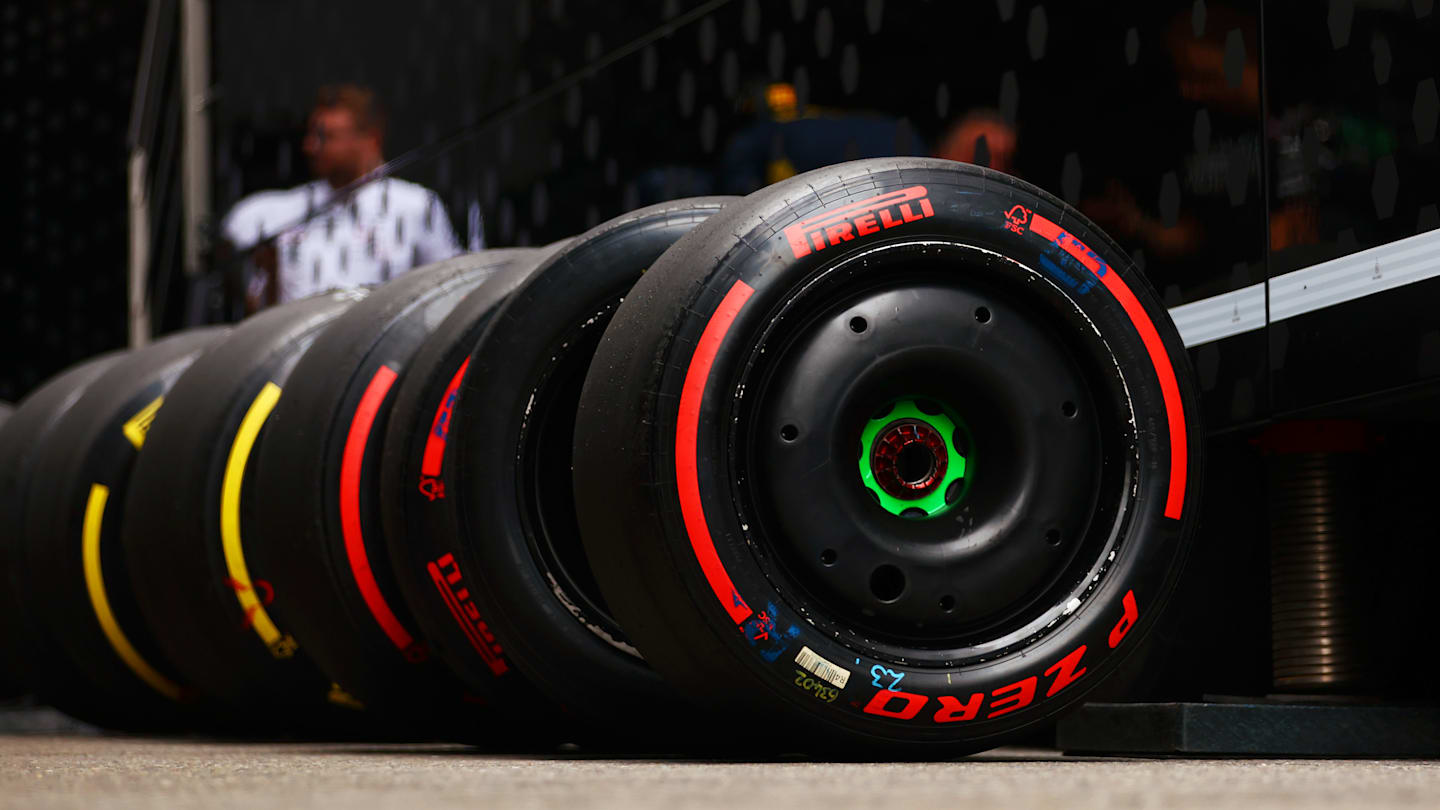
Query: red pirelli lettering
{"points": [[1127, 621], [881, 704], [1066, 671], [868, 216], [953, 711], [1008, 698], [457, 601], [1012, 697]]}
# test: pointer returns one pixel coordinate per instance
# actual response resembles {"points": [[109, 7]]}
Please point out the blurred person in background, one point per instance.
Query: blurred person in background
{"points": [[786, 137], [337, 231]]}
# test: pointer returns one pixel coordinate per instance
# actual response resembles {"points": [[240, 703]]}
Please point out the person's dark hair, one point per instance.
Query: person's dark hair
{"points": [[360, 101]]}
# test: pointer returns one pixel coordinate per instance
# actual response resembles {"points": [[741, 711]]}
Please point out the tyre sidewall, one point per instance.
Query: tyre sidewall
{"points": [[970, 207], [568, 652]]}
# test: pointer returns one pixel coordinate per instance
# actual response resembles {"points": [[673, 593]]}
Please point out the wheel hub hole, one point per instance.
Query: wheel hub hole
{"points": [[915, 464], [887, 583], [858, 324], [828, 556], [910, 459]]}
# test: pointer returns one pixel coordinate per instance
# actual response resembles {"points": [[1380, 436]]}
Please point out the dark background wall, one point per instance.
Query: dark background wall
{"points": [[66, 70], [1164, 121], [1093, 91]]}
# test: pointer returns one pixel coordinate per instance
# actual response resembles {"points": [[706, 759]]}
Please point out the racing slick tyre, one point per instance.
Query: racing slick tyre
{"points": [[9, 684], [318, 535], [416, 510], [33, 660], [515, 564], [191, 509], [893, 456], [75, 571]]}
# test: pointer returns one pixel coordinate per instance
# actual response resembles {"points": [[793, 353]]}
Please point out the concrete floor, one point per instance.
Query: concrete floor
{"points": [[87, 771]]}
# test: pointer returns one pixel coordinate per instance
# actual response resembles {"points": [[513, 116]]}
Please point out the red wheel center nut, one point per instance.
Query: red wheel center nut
{"points": [[909, 459]]}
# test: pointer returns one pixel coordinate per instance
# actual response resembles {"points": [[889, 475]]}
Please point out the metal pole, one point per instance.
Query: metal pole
{"points": [[139, 249], [195, 91], [139, 140]]}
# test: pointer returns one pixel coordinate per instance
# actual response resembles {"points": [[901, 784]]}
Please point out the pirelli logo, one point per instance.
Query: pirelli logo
{"points": [[457, 599], [858, 219], [139, 424]]}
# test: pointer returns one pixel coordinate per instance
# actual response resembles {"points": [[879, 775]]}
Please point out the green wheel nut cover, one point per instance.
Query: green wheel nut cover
{"points": [[905, 426]]}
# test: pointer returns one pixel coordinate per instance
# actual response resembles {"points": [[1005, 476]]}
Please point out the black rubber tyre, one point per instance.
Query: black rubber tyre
{"points": [[721, 479], [10, 687], [317, 487], [419, 521], [34, 661], [517, 555], [76, 579], [189, 513]]}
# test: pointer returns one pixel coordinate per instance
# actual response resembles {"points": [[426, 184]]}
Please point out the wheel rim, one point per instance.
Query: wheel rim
{"points": [[960, 570], [546, 499]]}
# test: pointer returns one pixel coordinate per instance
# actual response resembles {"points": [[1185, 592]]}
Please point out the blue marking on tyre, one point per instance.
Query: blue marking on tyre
{"points": [[1064, 277], [763, 633]]}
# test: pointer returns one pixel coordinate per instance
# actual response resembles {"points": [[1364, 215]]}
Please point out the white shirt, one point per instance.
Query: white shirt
{"points": [[382, 230]]}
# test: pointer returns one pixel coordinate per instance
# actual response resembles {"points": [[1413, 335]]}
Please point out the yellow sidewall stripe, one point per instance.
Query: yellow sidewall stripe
{"points": [[280, 645], [139, 424], [95, 584]]}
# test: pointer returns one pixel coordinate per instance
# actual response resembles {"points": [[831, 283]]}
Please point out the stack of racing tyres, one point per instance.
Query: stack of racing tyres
{"points": [[893, 458]]}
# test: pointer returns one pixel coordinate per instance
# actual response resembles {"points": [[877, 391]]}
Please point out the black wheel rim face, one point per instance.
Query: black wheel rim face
{"points": [[960, 332], [544, 485]]}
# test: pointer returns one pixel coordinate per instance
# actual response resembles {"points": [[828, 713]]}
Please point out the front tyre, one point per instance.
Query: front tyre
{"points": [[895, 454]]}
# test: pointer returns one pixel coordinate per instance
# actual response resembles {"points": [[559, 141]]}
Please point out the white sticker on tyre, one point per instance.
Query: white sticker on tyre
{"points": [[817, 665]]}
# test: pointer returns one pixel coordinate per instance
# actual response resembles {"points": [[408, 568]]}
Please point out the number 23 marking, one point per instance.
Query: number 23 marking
{"points": [[877, 672]]}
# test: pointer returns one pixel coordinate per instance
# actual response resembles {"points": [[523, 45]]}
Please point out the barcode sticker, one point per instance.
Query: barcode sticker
{"points": [[836, 675]]}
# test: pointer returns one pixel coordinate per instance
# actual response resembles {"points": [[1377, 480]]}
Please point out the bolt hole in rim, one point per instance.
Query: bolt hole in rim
{"points": [[824, 552], [887, 583]]}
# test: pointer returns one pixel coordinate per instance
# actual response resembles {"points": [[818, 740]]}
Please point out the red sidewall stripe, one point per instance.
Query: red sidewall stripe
{"points": [[687, 426], [435, 442], [1169, 388], [351, 465], [687, 432], [1159, 358]]}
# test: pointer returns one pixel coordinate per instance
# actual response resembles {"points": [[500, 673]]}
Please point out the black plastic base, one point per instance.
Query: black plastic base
{"points": [[1252, 729]]}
